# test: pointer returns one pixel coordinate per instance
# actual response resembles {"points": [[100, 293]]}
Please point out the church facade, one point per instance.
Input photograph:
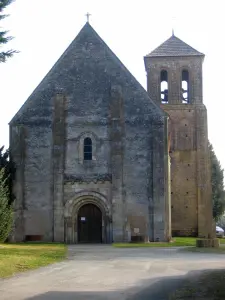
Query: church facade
{"points": [[100, 160]]}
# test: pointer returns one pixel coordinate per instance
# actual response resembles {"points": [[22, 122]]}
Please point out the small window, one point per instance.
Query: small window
{"points": [[87, 149], [164, 86], [185, 87]]}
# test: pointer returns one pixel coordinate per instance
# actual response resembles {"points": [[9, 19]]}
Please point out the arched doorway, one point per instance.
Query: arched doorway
{"points": [[89, 224]]}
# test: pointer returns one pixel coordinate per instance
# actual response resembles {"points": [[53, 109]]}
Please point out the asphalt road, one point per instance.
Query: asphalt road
{"points": [[103, 272]]}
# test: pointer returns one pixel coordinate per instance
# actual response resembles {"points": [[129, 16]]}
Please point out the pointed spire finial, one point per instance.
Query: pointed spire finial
{"points": [[173, 24], [88, 16]]}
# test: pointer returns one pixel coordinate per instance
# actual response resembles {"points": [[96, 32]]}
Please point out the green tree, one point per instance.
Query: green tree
{"points": [[221, 222], [9, 169], [6, 212], [4, 38], [218, 193]]}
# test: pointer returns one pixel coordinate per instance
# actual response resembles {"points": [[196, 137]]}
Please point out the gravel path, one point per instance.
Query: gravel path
{"points": [[103, 272]]}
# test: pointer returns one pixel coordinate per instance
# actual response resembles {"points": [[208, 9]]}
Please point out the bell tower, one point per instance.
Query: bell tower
{"points": [[174, 81]]}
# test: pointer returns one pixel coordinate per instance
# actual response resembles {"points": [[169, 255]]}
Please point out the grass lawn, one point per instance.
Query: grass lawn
{"points": [[16, 258], [206, 286], [176, 242]]}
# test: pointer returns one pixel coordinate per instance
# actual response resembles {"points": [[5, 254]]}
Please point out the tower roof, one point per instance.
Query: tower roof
{"points": [[174, 47]]}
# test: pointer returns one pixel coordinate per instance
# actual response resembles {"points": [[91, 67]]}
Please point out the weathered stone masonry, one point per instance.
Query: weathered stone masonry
{"points": [[191, 206]]}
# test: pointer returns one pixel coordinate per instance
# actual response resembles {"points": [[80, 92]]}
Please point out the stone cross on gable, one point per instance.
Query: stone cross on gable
{"points": [[88, 16], [173, 24]]}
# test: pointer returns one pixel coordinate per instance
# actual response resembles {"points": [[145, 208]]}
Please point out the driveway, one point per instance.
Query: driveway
{"points": [[103, 272]]}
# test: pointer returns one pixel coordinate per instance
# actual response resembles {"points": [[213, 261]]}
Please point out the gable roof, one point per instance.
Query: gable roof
{"points": [[69, 57], [174, 47]]}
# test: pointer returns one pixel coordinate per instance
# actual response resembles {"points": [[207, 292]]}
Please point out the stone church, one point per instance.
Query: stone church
{"points": [[99, 159]]}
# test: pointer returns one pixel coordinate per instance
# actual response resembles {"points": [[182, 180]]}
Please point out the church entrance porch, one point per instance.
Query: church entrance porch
{"points": [[88, 219], [89, 224]]}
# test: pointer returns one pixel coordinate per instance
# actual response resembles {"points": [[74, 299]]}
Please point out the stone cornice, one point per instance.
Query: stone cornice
{"points": [[80, 178]]}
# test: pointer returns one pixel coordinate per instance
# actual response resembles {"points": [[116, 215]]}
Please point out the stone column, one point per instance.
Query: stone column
{"points": [[74, 231], [174, 86], [196, 82], [69, 230], [116, 121], [154, 84], [109, 233], [58, 156]]}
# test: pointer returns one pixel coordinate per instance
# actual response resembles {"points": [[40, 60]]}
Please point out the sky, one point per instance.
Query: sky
{"points": [[43, 29]]}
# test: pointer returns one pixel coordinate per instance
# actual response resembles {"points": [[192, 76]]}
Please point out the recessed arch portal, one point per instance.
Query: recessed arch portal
{"points": [[96, 207]]}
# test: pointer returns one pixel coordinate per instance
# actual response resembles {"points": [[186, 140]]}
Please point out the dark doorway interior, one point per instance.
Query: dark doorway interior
{"points": [[33, 238], [89, 224]]}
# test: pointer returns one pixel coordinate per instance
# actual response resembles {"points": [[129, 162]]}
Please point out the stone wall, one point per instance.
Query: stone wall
{"points": [[17, 154], [184, 204], [33, 182], [190, 181]]}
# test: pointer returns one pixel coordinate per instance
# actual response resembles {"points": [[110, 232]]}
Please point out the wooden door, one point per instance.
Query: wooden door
{"points": [[89, 224]]}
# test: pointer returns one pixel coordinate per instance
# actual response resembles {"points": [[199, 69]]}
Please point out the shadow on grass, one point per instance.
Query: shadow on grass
{"points": [[191, 286]]}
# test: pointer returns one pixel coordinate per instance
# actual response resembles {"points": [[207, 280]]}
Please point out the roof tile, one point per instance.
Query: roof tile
{"points": [[174, 47]]}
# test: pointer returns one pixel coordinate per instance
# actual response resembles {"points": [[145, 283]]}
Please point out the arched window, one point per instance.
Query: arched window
{"points": [[87, 149], [164, 86], [185, 87]]}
